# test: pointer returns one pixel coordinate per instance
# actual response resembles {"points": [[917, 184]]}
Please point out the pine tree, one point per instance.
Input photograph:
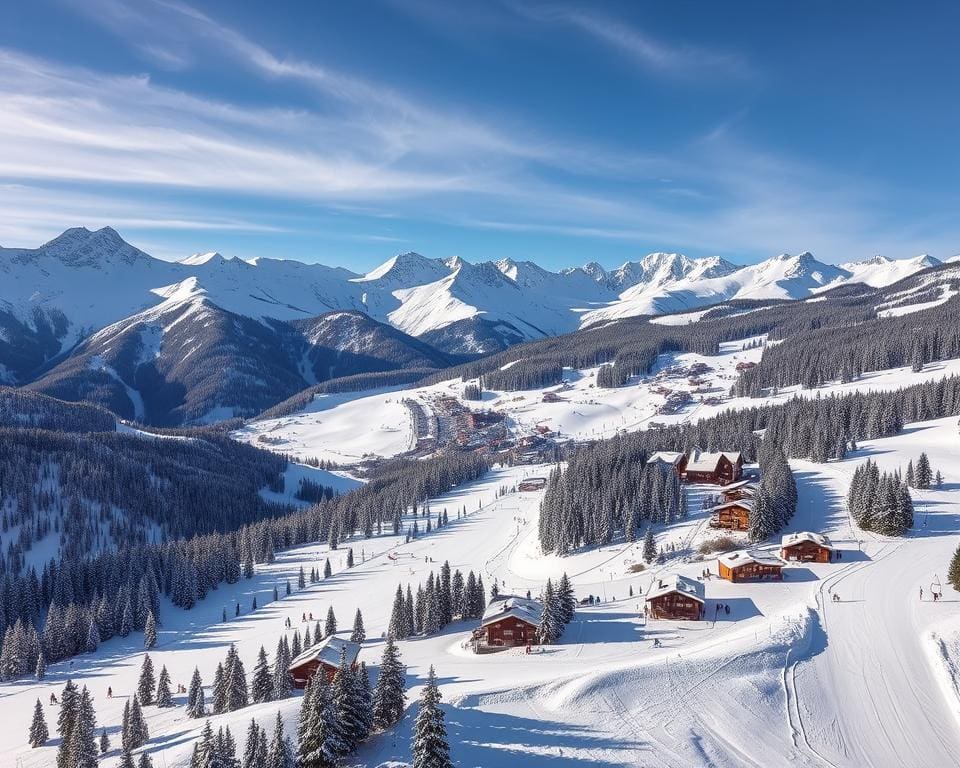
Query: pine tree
{"points": [[397, 627], [83, 737], [301, 579], [566, 600], [236, 681], [196, 704], [330, 626], [163, 688], [261, 687], [38, 727], [251, 746], [138, 732], [550, 627], [147, 683], [145, 760], [41, 670], [924, 475], [649, 546], [126, 759], [359, 634], [280, 755], [150, 632], [104, 742], [282, 684], [953, 572], [327, 570], [389, 696], [429, 745], [66, 722], [316, 742], [307, 641], [348, 718]]}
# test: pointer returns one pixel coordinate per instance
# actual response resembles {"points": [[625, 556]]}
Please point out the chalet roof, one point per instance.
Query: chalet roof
{"points": [[327, 652], [708, 462], [737, 486], [801, 536], [505, 606], [674, 582], [667, 457], [748, 556], [745, 503]]}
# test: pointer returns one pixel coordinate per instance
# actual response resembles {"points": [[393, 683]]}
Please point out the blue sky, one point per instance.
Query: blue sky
{"points": [[559, 132]]}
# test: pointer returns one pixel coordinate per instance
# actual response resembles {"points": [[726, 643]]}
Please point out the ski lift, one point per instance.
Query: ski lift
{"points": [[935, 585]]}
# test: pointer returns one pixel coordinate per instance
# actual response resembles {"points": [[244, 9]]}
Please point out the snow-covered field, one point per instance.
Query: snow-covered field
{"points": [[789, 677], [346, 427]]}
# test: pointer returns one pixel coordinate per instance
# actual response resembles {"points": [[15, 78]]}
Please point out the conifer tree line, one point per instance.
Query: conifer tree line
{"points": [[922, 476], [607, 491], [775, 500], [880, 501], [844, 353], [84, 600], [443, 599]]}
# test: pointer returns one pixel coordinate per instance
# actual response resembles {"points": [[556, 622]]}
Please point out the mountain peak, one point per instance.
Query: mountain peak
{"points": [[212, 257], [80, 247]]}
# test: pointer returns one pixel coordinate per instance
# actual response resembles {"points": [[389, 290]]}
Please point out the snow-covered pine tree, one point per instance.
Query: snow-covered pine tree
{"points": [[330, 626], [41, 669], [282, 684], [429, 745], [218, 700], [145, 760], [104, 742], [196, 701], [280, 754], [359, 634], [389, 696], [66, 721], [347, 717], [649, 553], [953, 571], [83, 739], [307, 640], [924, 474], [139, 733], [547, 628], [261, 686], [147, 682], [150, 632], [250, 745], [327, 570], [236, 678], [126, 759], [38, 727], [397, 626], [163, 688], [567, 601]]}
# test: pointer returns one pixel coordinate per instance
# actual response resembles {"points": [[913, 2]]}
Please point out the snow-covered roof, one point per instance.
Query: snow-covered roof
{"points": [[801, 536], [668, 457], [522, 608], [736, 486], [674, 582], [707, 462], [745, 503], [327, 652], [748, 556]]}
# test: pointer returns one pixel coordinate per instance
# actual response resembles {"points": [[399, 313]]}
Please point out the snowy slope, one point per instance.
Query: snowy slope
{"points": [[788, 678]]}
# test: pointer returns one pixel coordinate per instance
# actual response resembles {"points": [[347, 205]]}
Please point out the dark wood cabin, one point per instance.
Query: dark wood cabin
{"points": [[741, 489], [715, 468], [675, 597], [750, 566], [509, 621], [732, 516], [532, 484], [325, 656], [806, 547]]}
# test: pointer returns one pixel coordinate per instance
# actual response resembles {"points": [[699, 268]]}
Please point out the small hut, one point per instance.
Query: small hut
{"points": [[750, 565], [509, 621], [675, 597], [721, 468], [324, 655], [806, 547], [674, 459], [732, 516]]}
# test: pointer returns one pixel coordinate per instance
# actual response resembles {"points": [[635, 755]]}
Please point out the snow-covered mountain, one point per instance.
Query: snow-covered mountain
{"points": [[54, 298]]}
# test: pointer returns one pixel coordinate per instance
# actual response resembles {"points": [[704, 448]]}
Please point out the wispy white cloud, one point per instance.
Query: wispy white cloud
{"points": [[648, 51]]}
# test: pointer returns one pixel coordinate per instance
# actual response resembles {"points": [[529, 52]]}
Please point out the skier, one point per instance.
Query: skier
{"points": [[53, 699], [109, 692], [726, 609], [921, 593]]}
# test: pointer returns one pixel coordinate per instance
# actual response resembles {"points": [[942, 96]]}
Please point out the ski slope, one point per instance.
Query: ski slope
{"points": [[788, 678]]}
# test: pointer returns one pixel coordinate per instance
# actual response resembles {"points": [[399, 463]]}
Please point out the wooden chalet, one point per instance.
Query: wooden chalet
{"points": [[675, 597], [324, 655], [721, 468], [806, 547], [674, 459], [508, 621], [741, 489], [732, 515], [532, 484], [750, 565]]}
